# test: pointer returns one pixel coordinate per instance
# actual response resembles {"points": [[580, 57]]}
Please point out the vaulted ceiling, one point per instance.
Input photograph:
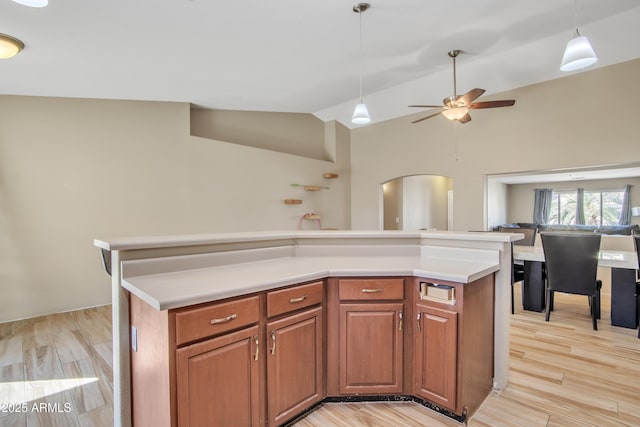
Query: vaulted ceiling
{"points": [[301, 56]]}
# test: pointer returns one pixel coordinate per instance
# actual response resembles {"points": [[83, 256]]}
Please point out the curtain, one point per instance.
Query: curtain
{"points": [[542, 205], [625, 213], [580, 206]]}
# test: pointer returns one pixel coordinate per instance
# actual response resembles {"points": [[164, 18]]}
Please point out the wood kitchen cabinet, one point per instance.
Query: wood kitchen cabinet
{"points": [[218, 382], [436, 355], [453, 346], [265, 358], [295, 352], [370, 337]]}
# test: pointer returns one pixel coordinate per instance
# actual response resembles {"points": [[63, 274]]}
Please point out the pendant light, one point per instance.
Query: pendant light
{"points": [[361, 113], [578, 54], [33, 3]]}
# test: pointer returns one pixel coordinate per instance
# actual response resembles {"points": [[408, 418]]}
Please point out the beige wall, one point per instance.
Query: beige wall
{"points": [[293, 133], [583, 119], [72, 170]]}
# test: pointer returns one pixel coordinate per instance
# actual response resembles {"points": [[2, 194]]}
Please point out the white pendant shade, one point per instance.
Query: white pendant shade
{"points": [[33, 3], [360, 115], [578, 54]]}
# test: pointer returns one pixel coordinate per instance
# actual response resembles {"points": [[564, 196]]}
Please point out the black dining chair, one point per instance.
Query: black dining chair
{"points": [[571, 266], [636, 242], [517, 270]]}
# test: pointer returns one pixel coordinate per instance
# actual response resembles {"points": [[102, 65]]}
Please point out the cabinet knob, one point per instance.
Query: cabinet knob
{"points": [[419, 325], [372, 291]]}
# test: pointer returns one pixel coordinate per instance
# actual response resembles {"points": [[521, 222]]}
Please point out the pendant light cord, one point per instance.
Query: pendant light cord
{"points": [[361, 54]]}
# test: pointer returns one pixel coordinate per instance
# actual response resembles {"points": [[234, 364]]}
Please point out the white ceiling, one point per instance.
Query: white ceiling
{"points": [[301, 56]]}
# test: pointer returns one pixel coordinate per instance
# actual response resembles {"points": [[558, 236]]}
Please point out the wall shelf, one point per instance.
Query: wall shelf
{"points": [[329, 175], [292, 201], [311, 187]]}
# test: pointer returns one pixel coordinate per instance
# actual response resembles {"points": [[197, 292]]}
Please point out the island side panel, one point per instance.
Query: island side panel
{"points": [[152, 365], [475, 343], [120, 331]]}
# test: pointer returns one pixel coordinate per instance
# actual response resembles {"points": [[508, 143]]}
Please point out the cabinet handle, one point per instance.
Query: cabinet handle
{"points": [[400, 320], [224, 319], [419, 325], [257, 347], [295, 300], [273, 340], [371, 291]]}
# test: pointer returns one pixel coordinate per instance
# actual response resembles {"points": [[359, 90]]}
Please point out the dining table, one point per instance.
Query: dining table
{"points": [[623, 265]]}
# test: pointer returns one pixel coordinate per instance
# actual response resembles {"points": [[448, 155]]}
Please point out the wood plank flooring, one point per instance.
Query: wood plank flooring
{"points": [[562, 373], [57, 370]]}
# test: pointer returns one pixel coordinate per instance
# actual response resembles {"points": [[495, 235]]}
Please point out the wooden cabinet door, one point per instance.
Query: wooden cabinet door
{"points": [[218, 382], [435, 357], [370, 348], [295, 365]]}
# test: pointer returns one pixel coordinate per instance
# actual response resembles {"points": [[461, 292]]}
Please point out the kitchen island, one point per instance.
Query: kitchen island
{"points": [[166, 276]]}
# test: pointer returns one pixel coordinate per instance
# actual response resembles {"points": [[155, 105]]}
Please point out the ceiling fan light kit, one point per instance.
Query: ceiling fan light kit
{"points": [[9, 46], [455, 113], [361, 112], [578, 54]]}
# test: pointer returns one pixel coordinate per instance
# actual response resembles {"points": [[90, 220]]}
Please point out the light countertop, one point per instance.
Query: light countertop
{"points": [[182, 288]]}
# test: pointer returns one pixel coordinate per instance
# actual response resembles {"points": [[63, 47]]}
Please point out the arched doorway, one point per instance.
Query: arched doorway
{"points": [[417, 202]]}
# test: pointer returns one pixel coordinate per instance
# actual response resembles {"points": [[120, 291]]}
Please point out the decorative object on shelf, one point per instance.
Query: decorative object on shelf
{"points": [[310, 187], [292, 201], [329, 175], [9, 46], [310, 216], [361, 113], [578, 54]]}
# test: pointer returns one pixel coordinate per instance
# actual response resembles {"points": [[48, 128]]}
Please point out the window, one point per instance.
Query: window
{"points": [[563, 208], [600, 207]]}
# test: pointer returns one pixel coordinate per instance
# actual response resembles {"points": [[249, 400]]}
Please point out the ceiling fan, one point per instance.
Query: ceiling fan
{"points": [[456, 107]]}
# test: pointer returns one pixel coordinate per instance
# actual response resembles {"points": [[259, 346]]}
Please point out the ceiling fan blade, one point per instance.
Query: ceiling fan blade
{"points": [[492, 104], [464, 119], [468, 97], [426, 106], [425, 118]]}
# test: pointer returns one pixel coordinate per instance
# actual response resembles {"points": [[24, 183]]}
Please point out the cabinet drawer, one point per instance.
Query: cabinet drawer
{"points": [[371, 289], [285, 300], [193, 324]]}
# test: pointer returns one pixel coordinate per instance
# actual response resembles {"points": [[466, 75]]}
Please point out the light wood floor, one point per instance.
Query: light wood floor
{"points": [[57, 370], [562, 373]]}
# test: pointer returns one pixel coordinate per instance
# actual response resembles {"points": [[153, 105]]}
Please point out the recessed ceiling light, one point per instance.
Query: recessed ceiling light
{"points": [[33, 3], [9, 46]]}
